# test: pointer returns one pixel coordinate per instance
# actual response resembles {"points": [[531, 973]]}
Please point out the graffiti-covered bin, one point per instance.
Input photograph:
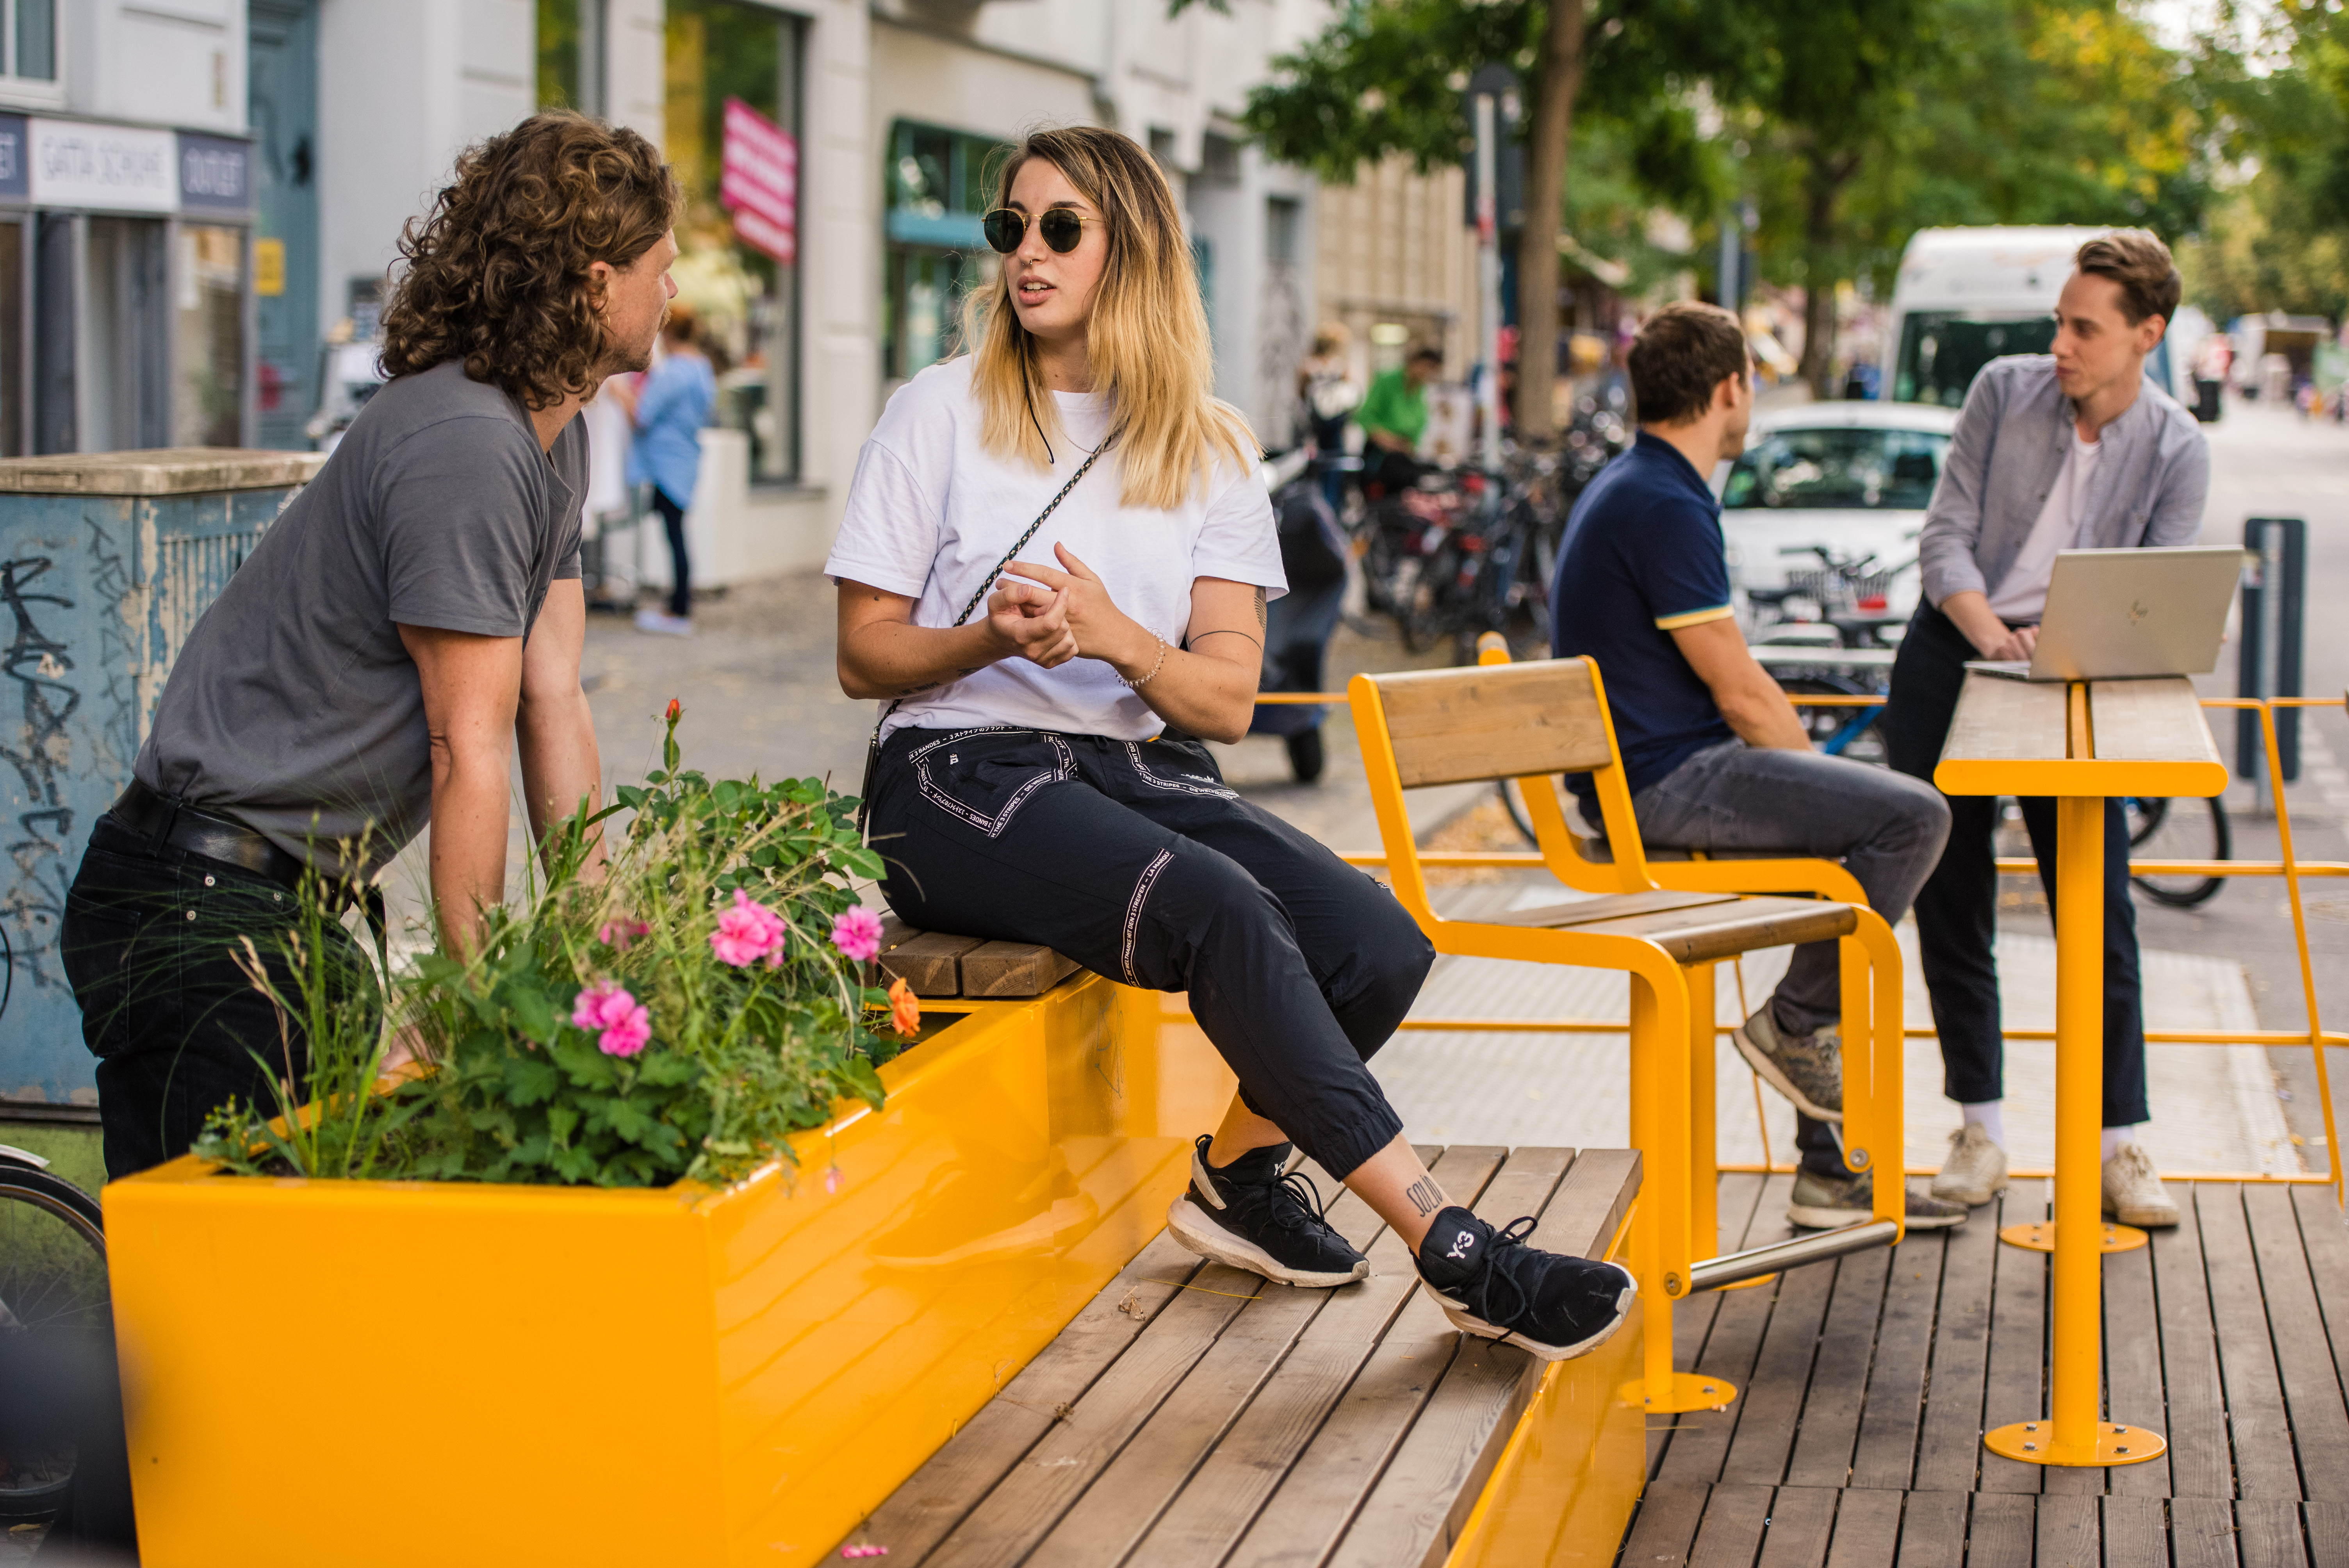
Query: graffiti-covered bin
{"points": [[107, 558]]}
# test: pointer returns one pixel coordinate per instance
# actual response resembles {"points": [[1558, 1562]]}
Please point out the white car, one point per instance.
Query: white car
{"points": [[1851, 477]]}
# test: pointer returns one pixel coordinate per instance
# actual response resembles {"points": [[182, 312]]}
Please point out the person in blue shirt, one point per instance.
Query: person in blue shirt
{"points": [[672, 408], [1714, 755]]}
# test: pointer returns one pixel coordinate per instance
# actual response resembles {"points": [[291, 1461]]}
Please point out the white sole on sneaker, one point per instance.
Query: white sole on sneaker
{"points": [[1812, 1218], [1202, 1235], [1468, 1323], [1772, 1074]]}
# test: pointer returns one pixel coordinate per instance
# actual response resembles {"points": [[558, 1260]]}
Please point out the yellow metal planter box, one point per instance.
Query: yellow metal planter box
{"points": [[360, 1373]]}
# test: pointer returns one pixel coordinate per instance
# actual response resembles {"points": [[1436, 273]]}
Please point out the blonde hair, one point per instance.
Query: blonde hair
{"points": [[1146, 338]]}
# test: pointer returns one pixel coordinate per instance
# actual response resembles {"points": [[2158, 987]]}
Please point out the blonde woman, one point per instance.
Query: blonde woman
{"points": [[1055, 567]]}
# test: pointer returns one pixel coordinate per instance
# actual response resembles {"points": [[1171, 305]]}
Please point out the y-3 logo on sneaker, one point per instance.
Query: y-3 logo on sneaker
{"points": [[1460, 1245]]}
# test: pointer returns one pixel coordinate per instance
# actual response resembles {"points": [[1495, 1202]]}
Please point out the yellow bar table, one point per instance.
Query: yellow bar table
{"points": [[2079, 742]]}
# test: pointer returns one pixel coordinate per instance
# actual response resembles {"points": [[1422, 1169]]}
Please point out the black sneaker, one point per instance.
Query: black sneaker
{"points": [[1251, 1216], [1492, 1286]]}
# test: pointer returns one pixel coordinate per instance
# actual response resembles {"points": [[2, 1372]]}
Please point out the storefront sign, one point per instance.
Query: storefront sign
{"points": [[215, 174], [11, 157], [760, 180], [110, 168], [269, 268]]}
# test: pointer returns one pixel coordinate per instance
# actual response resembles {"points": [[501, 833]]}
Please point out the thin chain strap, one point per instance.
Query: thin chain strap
{"points": [[872, 747]]}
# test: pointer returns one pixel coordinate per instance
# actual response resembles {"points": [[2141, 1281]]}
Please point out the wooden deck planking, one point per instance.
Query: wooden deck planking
{"points": [[1801, 1521], [2226, 1334]]}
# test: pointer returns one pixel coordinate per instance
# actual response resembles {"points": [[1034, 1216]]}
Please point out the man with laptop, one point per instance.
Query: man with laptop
{"points": [[2071, 450]]}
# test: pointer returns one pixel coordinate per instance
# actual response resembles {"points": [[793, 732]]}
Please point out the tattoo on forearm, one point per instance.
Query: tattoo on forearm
{"points": [[1425, 1196], [1260, 612]]}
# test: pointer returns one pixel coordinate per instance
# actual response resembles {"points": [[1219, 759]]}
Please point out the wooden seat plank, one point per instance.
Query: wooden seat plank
{"points": [[1886, 1453], [1801, 1519], [1449, 727], [1703, 936], [1770, 1406], [2199, 1461], [1012, 969], [2132, 1369], [1837, 1393], [2311, 1387], [1867, 1529], [1949, 1444], [1609, 906], [936, 1498], [2015, 1380], [1934, 1529], [2261, 1438], [927, 963], [1457, 1438], [1225, 1494]]}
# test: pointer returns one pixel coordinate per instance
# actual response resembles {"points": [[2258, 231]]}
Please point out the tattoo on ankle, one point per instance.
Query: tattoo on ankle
{"points": [[1425, 1195]]}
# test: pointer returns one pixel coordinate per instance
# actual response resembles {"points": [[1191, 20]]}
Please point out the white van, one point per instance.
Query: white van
{"points": [[1965, 296]]}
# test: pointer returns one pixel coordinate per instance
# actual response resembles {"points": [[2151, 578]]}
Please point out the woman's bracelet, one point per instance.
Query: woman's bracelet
{"points": [[1137, 685]]}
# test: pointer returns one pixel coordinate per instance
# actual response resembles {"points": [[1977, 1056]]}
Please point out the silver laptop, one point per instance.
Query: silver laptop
{"points": [[2117, 614]]}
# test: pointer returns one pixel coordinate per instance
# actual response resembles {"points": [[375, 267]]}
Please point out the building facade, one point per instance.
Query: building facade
{"points": [[125, 207]]}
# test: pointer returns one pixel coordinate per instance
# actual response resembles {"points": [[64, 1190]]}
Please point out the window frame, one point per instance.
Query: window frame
{"points": [[33, 92]]}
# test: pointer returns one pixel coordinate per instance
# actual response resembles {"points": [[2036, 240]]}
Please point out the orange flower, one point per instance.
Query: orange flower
{"points": [[904, 1009], [674, 708]]}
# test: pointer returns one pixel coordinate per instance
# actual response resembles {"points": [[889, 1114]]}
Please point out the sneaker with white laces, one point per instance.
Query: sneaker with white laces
{"points": [[661, 624], [2133, 1191], [1830, 1202], [1251, 1216], [1975, 1171], [1806, 1069], [1492, 1286]]}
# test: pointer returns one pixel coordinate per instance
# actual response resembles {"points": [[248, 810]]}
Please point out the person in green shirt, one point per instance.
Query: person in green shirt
{"points": [[1393, 416]]}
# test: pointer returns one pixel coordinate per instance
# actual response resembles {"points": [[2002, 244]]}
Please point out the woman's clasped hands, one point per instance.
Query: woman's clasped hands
{"points": [[1052, 616]]}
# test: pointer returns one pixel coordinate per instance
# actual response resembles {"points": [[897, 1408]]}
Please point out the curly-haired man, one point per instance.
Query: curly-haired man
{"points": [[414, 614]]}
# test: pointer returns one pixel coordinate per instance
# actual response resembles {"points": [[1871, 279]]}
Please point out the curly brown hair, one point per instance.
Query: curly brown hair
{"points": [[496, 273]]}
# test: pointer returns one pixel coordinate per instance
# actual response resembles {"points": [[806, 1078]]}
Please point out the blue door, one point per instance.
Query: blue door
{"points": [[285, 109]]}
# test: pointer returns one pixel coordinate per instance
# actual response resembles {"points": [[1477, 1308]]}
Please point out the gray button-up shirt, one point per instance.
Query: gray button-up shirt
{"points": [[2012, 437]]}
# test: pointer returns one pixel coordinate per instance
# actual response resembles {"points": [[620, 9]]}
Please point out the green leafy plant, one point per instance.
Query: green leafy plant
{"points": [[673, 1013]]}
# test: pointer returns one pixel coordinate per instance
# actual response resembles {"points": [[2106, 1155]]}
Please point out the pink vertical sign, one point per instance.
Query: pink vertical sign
{"points": [[759, 180]]}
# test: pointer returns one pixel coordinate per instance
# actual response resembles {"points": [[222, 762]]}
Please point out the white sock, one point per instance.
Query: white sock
{"points": [[1987, 1115], [2114, 1137]]}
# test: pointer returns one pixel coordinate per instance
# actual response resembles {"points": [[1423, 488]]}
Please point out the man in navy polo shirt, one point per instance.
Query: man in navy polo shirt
{"points": [[1714, 755]]}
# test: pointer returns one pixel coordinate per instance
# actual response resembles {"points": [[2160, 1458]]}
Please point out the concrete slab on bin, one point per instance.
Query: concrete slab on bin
{"points": [[164, 470]]}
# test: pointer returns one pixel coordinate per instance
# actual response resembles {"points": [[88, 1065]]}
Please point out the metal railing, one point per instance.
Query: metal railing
{"points": [[2315, 1036]]}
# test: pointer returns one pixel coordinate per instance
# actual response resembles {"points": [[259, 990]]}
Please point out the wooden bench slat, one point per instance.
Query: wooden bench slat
{"points": [[927, 963], [1612, 906], [1013, 969]]}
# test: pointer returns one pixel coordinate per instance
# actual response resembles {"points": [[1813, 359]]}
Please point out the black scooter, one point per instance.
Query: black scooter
{"points": [[1300, 624]]}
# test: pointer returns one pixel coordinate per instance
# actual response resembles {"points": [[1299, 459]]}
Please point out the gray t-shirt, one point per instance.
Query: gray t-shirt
{"points": [[293, 706]]}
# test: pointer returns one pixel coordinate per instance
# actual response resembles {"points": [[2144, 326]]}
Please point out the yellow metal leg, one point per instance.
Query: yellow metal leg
{"points": [[1705, 1170], [2073, 1436], [1661, 1093]]}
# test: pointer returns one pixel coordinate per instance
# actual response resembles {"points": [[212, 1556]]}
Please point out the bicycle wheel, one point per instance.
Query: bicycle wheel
{"points": [[1838, 731], [2158, 833], [1514, 803], [52, 1281]]}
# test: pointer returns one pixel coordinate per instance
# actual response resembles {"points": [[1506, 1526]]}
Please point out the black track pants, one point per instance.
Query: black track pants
{"points": [[1133, 858]]}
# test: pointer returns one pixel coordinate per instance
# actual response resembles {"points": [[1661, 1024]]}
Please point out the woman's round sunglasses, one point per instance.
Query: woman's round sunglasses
{"points": [[1062, 229]]}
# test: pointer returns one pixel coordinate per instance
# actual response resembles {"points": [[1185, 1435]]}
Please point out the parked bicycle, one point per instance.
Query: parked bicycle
{"points": [[52, 1287]]}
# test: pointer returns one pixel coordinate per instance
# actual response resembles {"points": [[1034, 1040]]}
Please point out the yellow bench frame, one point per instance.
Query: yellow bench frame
{"points": [[1671, 1013]]}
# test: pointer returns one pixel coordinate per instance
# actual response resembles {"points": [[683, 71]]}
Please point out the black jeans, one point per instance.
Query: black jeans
{"points": [[1131, 858], [680, 568], [149, 944], [1957, 907]]}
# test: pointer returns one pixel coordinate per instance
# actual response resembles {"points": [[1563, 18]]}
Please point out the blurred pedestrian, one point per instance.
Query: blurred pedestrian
{"points": [[1393, 417], [670, 412], [1325, 382]]}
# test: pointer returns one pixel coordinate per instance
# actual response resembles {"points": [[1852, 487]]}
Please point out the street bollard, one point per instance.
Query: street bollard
{"points": [[107, 558], [2273, 637]]}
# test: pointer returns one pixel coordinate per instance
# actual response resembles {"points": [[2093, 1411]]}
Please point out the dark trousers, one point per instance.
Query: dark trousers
{"points": [[1957, 907], [680, 568], [149, 943], [1131, 858]]}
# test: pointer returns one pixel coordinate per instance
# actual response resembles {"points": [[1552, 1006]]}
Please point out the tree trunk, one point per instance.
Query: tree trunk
{"points": [[1823, 191], [1557, 78]]}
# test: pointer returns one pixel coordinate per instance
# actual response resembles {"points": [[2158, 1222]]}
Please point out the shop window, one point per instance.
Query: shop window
{"points": [[12, 340], [936, 184], [28, 28], [208, 404], [740, 271], [126, 394], [570, 55]]}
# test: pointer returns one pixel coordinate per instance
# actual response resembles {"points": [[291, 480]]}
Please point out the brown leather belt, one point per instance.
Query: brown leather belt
{"points": [[183, 827]]}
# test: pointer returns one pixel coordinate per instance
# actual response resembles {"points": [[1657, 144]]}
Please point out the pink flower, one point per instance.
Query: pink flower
{"points": [[747, 933], [832, 1179], [857, 933], [621, 1025], [618, 933]]}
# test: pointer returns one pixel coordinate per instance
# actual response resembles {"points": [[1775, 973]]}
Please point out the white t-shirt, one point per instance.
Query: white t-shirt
{"points": [[2023, 591], [930, 512]]}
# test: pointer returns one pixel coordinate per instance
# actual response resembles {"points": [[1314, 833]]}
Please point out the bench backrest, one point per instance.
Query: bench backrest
{"points": [[1531, 722]]}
